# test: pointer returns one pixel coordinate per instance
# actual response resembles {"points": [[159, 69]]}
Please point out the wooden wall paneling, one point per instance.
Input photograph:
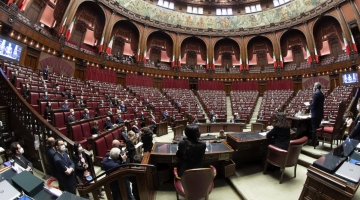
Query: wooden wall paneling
{"points": [[32, 58], [121, 79], [80, 72], [262, 87], [227, 88], [158, 83], [297, 85], [334, 81]]}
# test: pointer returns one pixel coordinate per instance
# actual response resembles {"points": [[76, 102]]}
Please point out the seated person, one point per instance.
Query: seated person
{"points": [[81, 101], [195, 121], [101, 103], [109, 112], [57, 89], [26, 91], [95, 128], [165, 115], [124, 134], [108, 124], [237, 116], [142, 119], [86, 114], [191, 151], [135, 128], [232, 120], [107, 97], [119, 120], [47, 114], [77, 104], [213, 120], [122, 107], [71, 95], [18, 158], [71, 117], [115, 101], [279, 136], [65, 106], [221, 134], [45, 96]]}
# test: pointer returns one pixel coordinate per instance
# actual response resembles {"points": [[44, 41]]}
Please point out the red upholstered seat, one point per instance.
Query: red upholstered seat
{"points": [[179, 188], [42, 108], [327, 129], [34, 96], [59, 120], [77, 115], [101, 149], [86, 130], [78, 136], [108, 139], [117, 134]]}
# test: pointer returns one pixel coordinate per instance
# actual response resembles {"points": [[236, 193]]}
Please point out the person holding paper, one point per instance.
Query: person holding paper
{"points": [[191, 151], [317, 112]]}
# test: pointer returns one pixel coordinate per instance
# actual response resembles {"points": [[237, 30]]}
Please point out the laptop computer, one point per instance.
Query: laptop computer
{"points": [[7, 191], [349, 172], [328, 163]]}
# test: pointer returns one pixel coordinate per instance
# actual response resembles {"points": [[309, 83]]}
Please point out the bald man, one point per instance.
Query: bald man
{"points": [[50, 151], [116, 144]]}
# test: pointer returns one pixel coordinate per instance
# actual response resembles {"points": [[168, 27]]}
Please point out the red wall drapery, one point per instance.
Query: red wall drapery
{"points": [[175, 83], [286, 84], [210, 85], [102, 75], [134, 79], [245, 85]]}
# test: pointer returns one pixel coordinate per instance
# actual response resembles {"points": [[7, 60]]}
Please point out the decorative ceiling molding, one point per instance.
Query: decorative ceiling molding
{"points": [[291, 14]]}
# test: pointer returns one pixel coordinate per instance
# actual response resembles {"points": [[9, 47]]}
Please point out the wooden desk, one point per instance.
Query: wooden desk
{"points": [[182, 122], [162, 128], [163, 156], [249, 146], [322, 185], [178, 131], [216, 127]]}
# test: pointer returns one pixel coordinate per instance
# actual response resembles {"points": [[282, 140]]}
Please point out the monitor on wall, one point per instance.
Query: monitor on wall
{"points": [[350, 78], [10, 50]]}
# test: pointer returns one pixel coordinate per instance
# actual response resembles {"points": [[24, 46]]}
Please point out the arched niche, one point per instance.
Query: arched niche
{"points": [[260, 52], [193, 51], [328, 38], [293, 47], [159, 47], [88, 26], [126, 38], [227, 53]]}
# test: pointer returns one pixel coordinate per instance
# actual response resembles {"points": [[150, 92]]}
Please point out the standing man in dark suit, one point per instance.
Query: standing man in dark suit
{"points": [[317, 111], [18, 158], [50, 153], [64, 167], [46, 72]]}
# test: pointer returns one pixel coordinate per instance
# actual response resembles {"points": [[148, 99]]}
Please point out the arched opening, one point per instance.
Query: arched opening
{"points": [[159, 49], [293, 50], [227, 55], [260, 54]]}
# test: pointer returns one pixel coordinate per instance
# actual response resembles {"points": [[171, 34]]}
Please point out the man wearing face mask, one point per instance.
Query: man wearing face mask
{"points": [[355, 134], [65, 168], [71, 117], [65, 106], [18, 158], [86, 114], [45, 96], [317, 112]]}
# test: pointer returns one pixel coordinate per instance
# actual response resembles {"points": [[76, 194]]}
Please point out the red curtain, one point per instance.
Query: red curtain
{"points": [[245, 85], [102, 75], [134, 79], [176, 83], [286, 84], [211, 85]]}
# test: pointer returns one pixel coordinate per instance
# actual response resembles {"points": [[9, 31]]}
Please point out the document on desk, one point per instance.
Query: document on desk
{"points": [[263, 133], [303, 116], [307, 103]]}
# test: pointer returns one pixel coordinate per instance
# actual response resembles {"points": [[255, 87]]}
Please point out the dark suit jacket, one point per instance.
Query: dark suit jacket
{"points": [[71, 118], [61, 163], [50, 153], [65, 106], [108, 125], [317, 105], [135, 129], [70, 96], [94, 131], [79, 169], [47, 114], [45, 73], [23, 162], [280, 136], [85, 116], [146, 139], [119, 120], [107, 165], [192, 158], [45, 97], [115, 102]]}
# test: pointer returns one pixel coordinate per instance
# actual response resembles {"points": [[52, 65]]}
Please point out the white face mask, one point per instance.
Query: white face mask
{"points": [[80, 149], [72, 113], [21, 150], [62, 148], [358, 107]]}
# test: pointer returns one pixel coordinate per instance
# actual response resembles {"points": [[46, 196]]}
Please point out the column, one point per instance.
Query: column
{"points": [[309, 41], [344, 26], [356, 12]]}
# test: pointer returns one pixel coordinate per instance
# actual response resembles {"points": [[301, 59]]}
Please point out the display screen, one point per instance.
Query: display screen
{"points": [[350, 78], [10, 50]]}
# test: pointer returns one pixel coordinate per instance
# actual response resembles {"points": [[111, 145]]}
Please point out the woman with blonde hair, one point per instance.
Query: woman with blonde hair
{"points": [[130, 145], [279, 136]]}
